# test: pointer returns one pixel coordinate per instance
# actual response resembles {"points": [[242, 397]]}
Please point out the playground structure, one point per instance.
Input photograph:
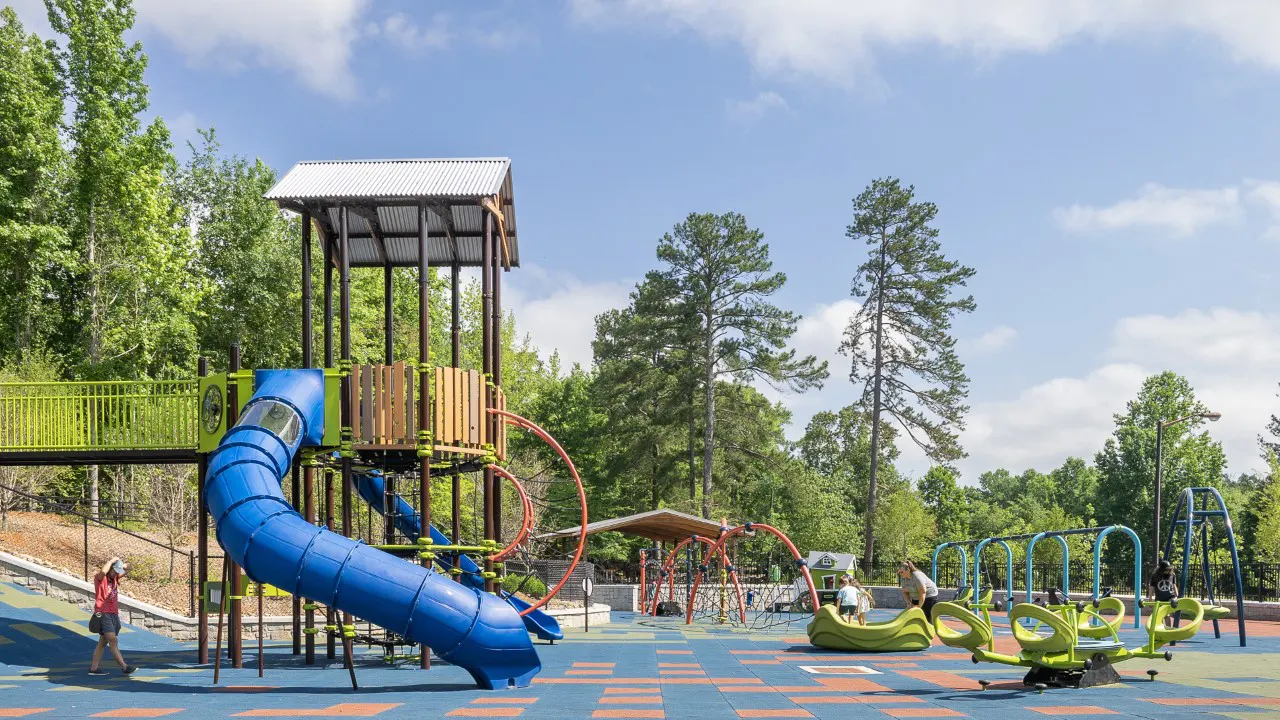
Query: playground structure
{"points": [[743, 586], [1194, 515], [383, 431]]}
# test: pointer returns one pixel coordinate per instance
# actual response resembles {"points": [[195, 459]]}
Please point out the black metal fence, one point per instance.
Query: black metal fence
{"points": [[74, 542]]}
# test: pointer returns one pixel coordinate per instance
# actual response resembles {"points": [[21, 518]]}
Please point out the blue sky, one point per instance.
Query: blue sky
{"points": [[1108, 169]]}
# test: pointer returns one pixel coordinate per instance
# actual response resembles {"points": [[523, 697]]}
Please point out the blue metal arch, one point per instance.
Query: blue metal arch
{"points": [[1137, 567]]}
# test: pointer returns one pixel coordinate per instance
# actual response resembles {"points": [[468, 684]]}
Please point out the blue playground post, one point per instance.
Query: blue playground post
{"points": [[964, 560], [1200, 519], [1066, 561], [1008, 574], [1137, 567]]}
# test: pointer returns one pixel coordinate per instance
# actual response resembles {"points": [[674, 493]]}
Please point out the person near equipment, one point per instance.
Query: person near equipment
{"points": [[1163, 586], [853, 599], [926, 593], [106, 614]]}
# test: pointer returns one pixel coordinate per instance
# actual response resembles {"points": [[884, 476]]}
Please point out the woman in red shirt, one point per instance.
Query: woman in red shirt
{"points": [[106, 614]]}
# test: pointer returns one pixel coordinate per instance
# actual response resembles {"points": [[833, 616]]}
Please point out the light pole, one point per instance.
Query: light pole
{"points": [[1160, 426]]}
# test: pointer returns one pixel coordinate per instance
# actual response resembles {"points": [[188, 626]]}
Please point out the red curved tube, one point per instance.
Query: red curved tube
{"points": [[669, 566], [526, 504], [545, 436], [808, 579]]}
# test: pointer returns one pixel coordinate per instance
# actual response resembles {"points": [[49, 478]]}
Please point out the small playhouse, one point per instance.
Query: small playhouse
{"points": [[826, 568]]}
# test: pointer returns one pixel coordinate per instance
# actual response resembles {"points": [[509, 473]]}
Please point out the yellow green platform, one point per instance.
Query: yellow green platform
{"points": [[908, 632]]}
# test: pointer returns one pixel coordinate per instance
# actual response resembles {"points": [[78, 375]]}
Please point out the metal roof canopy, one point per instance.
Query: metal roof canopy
{"points": [[383, 197], [657, 525]]}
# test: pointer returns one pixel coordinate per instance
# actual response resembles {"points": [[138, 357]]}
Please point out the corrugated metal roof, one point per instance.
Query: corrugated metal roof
{"points": [[402, 179], [452, 189]]}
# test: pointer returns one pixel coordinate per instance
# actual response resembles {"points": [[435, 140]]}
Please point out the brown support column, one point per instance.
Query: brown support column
{"points": [[235, 618], [296, 499], [456, 361], [496, 349], [331, 618], [388, 279], [308, 473], [328, 305], [425, 371], [202, 544], [486, 352], [344, 299]]}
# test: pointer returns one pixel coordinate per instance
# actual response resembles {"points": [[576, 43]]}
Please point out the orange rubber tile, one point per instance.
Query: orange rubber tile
{"points": [[339, 710], [677, 652], [778, 713], [485, 712], [594, 665], [1252, 702], [1072, 710], [853, 685], [588, 672], [627, 713], [504, 701], [921, 712], [631, 691], [950, 681], [751, 652], [738, 681], [138, 712], [21, 712], [631, 700], [760, 662], [861, 699], [678, 665]]}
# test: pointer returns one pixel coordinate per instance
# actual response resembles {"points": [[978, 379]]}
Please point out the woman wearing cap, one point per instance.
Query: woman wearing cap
{"points": [[106, 614]]}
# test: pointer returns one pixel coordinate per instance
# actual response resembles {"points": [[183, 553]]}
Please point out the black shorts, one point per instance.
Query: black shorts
{"points": [[848, 609], [105, 623], [929, 602]]}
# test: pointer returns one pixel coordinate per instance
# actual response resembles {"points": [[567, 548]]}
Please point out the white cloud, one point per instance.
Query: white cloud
{"points": [[1229, 356], [559, 311], [755, 108], [997, 338], [1181, 212], [311, 38], [1267, 194], [836, 40], [406, 34]]}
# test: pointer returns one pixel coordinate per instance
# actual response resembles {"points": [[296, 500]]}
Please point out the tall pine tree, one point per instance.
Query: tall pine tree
{"points": [[900, 338]]}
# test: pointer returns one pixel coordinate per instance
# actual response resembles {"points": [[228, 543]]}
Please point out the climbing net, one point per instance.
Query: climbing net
{"points": [[753, 578]]}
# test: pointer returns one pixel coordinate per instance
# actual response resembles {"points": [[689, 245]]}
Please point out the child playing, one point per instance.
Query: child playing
{"points": [[852, 599], [1163, 586]]}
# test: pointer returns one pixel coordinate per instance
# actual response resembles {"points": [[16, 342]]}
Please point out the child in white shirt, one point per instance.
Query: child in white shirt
{"points": [[852, 599]]}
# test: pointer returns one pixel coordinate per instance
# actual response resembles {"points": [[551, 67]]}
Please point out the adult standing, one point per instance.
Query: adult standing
{"points": [[106, 614], [917, 583]]}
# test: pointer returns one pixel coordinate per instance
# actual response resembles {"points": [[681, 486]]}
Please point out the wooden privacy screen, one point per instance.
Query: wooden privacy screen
{"points": [[385, 410]]}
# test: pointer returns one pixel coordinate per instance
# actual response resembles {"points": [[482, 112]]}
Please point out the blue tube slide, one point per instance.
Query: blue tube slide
{"points": [[262, 533], [372, 489]]}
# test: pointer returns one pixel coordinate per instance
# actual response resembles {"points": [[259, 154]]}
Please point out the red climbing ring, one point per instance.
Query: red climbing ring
{"points": [[525, 525], [513, 419], [668, 567], [808, 579]]}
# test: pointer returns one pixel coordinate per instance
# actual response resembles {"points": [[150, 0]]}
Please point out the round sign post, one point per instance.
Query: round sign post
{"points": [[587, 587]]}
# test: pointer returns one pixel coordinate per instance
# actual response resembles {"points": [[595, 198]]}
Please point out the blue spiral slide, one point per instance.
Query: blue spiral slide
{"points": [[261, 532], [372, 489]]}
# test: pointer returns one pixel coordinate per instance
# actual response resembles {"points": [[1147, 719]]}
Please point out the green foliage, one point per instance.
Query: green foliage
{"points": [[526, 584], [1264, 507], [900, 338], [1126, 464]]}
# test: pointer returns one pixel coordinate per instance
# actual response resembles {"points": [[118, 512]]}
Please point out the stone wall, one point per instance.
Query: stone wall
{"points": [[572, 617], [625, 598]]}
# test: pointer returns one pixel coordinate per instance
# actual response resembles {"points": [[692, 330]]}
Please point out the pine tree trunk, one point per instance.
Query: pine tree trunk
{"points": [[693, 456], [868, 547], [709, 433]]}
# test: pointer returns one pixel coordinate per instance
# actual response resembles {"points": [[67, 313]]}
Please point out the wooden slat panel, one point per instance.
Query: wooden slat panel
{"points": [[355, 402], [388, 404], [379, 397], [437, 402], [443, 397], [367, 403], [448, 419], [397, 389], [410, 405], [477, 405], [461, 425]]}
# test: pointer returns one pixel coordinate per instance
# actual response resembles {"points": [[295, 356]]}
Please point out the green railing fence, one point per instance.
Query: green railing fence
{"points": [[110, 415]]}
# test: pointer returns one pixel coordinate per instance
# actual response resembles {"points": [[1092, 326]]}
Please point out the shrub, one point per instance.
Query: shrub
{"points": [[528, 584]]}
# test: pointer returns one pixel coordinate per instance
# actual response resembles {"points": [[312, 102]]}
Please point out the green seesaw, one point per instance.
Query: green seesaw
{"points": [[1061, 644]]}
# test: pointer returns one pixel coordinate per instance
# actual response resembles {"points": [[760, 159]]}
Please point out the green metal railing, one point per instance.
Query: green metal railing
{"points": [[113, 415]]}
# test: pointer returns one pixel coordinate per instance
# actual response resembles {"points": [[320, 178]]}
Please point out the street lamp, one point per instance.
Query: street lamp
{"points": [[1160, 426]]}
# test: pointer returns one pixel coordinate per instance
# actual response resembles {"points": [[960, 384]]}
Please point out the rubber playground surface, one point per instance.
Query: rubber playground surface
{"points": [[633, 668]]}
